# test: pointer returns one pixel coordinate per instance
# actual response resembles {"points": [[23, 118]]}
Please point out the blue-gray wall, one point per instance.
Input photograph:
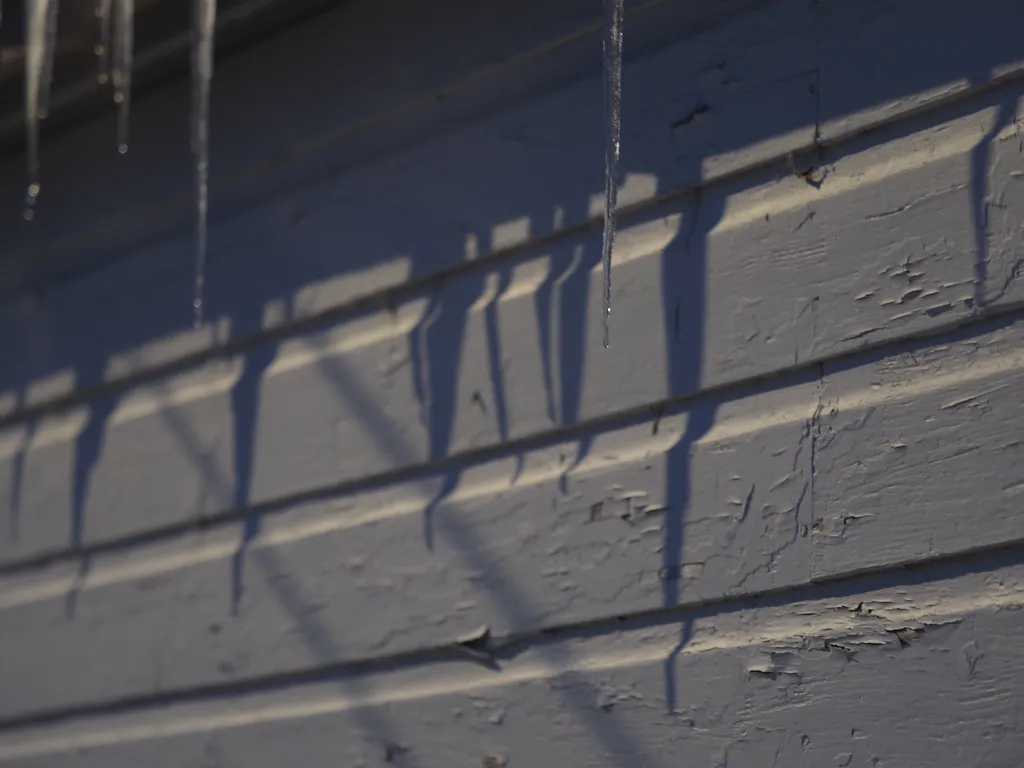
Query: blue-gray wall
{"points": [[779, 522]]}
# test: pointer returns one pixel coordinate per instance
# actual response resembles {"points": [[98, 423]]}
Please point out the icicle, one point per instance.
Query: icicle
{"points": [[103, 47], [613, 104], [49, 51], [205, 14], [36, 54], [124, 33]]}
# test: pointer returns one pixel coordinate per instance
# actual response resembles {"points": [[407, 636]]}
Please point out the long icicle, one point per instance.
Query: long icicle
{"points": [[613, 127], [49, 51], [36, 14], [124, 37], [205, 15], [103, 8]]}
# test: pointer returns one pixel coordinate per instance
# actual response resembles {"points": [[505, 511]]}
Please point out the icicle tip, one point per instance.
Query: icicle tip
{"points": [[197, 319], [31, 195]]}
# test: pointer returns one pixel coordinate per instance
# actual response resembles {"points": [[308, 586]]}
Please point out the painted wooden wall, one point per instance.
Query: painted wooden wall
{"points": [[394, 504]]}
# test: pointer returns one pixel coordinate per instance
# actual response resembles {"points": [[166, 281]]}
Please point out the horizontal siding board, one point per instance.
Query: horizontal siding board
{"points": [[336, 54], [909, 72], [542, 549], [642, 521], [482, 175], [350, 220], [314, 488], [807, 682], [793, 274], [920, 471], [507, 30]]}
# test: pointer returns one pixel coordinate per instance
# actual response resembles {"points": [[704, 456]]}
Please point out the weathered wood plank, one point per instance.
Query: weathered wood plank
{"points": [[765, 276], [906, 471], [822, 472], [408, 214], [870, 676], [900, 70], [354, 215], [730, 497], [515, 546]]}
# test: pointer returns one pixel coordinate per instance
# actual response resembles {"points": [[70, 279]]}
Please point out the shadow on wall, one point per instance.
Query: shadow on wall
{"points": [[566, 316]]}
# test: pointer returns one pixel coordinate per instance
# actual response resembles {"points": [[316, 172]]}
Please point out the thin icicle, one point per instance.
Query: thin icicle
{"points": [[205, 15], [124, 39], [36, 14], [49, 51], [102, 49], [613, 125]]}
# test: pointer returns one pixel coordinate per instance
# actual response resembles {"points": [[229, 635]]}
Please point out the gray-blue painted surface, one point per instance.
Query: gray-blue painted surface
{"points": [[778, 522]]}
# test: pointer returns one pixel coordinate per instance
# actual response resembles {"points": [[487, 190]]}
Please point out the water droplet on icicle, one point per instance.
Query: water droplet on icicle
{"points": [[121, 73], [38, 61], [613, 127], [205, 15], [102, 48]]}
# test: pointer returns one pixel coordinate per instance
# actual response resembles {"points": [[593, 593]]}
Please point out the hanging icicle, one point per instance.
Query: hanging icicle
{"points": [[102, 49], [121, 75], [613, 125], [38, 61], [114, 53], [205, 15], [49, 48]]}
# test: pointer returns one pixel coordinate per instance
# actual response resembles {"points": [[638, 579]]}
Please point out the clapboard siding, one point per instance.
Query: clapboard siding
{"points": [[804, 681], [387, 380], [540, 541], [263, 540]]}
